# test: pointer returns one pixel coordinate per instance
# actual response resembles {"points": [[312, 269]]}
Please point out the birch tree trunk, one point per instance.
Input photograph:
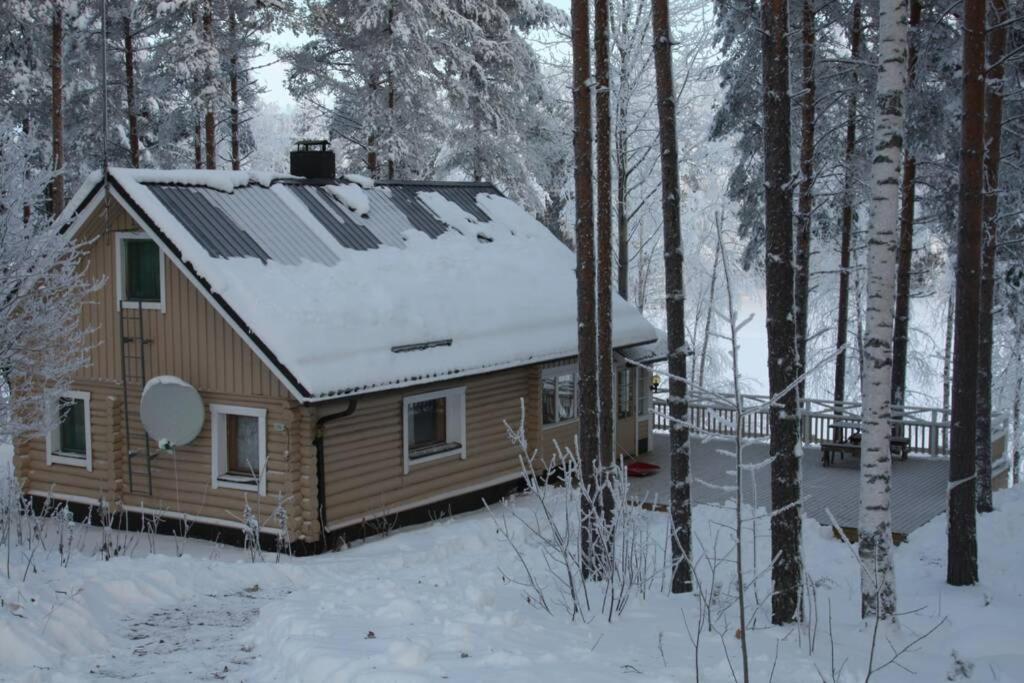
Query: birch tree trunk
{"points": [[877, 583], [57, 108], [805, 198], [839, 386], [675, 300], [901, 329], [993, 150], [585, 274], [962, 555], [129, 86], [784, 423]]}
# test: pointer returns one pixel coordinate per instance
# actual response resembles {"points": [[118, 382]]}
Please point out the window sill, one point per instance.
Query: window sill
{"points": [[58, 458], [146, 305], [562, 423], [240, 482], [434, 454]]}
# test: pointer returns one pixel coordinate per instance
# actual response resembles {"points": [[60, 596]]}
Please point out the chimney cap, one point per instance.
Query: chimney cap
{"points": [[313, 145], [313, 159]]}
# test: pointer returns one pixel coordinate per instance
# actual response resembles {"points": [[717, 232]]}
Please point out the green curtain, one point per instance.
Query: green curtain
{"points": [[142, 270]]}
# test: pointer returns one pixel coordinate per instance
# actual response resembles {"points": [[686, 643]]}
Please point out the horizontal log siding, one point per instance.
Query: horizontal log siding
{"points": [[363, 462], [181, 482], [192, 341], [189, 339]]}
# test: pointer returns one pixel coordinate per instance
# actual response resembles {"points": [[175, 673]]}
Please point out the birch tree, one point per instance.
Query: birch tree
{"points": [[42, 291], [877, 582], [675, 301]]}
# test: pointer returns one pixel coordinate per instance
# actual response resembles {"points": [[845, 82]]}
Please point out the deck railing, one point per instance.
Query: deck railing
{"points": [[927, 429]]}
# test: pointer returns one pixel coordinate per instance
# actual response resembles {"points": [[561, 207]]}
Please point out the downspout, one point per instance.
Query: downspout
{"points": [[318, 442]]}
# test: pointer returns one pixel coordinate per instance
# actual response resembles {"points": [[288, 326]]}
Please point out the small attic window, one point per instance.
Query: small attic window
{"points": [[140, 271]]}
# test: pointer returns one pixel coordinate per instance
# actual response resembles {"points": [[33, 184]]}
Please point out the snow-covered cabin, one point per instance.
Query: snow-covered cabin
{"points": [[358, 347]]}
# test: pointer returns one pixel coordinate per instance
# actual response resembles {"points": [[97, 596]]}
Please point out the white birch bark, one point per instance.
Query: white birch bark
{"points": [[878, 590]]}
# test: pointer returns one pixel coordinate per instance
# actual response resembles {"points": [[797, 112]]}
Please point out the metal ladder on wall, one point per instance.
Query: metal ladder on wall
{"points": [[133, 372]]}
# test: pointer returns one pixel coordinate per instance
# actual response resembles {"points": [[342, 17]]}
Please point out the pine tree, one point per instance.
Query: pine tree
{"points": [[675, 301], [847, 214], [993, 149], [787, 570], [605, 292], [908, 191], [588, 441], [805, 196], [962, 557]]}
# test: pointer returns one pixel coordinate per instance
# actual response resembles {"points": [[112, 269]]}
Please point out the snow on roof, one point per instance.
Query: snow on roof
{"points": [[429, 281]]}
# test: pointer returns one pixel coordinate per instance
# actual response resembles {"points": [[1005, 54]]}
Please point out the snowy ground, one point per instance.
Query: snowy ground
{"points": [[430, 603]]}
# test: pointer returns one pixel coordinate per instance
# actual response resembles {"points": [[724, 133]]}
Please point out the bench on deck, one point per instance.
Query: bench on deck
{"points": [[899, 446]]}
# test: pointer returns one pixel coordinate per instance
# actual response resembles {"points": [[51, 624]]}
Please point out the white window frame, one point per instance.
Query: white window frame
{"points": [[643, 384], [220, 479], [570, 369], [119, 264], [455, 424], [54, 456]]}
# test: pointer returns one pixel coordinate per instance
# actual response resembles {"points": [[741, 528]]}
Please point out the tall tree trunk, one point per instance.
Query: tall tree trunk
{"points": [[129, 86], [805, 196], [962, 559], [236, 154], [26, 211], [711, 303], [947, 356], [57, 108], [197, 143], [839, 387], [993, 150], [391, 116], [605, 291], [208, 96], [622, 205], [877, 580], [901, 327], [784, 425], [675, 300], [586, 280], [622, 176]]}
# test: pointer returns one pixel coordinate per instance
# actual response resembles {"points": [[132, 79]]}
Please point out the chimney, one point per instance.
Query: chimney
{"points": [[313, 159]]}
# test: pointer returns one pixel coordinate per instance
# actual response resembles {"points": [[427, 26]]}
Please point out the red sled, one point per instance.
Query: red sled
{"points": [[642, 469]]}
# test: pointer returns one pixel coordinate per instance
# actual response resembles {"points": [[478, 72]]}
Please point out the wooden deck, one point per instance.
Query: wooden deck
{"points": [[918, 486]]}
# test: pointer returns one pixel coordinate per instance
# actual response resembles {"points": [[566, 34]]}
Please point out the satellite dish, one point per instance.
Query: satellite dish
{"points": [[171, 411]]}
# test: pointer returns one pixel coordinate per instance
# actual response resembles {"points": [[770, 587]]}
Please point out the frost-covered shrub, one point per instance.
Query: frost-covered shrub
{"points": [[547, 542]]}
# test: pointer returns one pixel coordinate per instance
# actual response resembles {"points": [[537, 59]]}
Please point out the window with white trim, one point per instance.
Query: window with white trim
{"points": [[624, 399], [140, 271], [239, 447], [434, 426], [558, 395], [70, 441], [643, 392]]}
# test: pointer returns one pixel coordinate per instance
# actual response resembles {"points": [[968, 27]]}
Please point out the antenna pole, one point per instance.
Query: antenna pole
{"points": [[103, 87]]}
